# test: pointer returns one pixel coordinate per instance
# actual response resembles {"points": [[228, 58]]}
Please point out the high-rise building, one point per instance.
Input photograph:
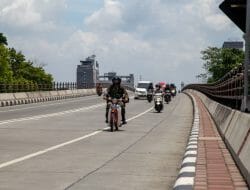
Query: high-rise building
{"points": [[87, 73], [233, 44]]}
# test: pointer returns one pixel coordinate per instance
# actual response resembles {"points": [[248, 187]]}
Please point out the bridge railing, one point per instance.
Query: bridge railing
{"points": [[30, 86], [228, 90]]}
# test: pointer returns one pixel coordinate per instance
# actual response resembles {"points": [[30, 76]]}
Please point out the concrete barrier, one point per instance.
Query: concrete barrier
{"points": [[20, 97], [9, 99], [234, 127]]}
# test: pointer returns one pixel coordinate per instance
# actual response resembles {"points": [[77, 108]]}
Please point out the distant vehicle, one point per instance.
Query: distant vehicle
{"points": [[173, 89], [167, 96], [158, 99], [150, 95], [141, 89]]}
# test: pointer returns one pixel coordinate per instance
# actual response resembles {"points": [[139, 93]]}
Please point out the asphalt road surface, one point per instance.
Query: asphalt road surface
{"points": [[66, 145]]}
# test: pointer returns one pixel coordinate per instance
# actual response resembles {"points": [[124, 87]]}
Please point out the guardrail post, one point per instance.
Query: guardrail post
{"points": [[246, 100]]}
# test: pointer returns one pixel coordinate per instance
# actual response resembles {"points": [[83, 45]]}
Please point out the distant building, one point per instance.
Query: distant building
{"points": [[126, 80], [87, 73], [233, 44]]}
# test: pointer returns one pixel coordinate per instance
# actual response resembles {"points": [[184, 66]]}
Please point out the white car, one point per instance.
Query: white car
{"points": [[141, 89]]}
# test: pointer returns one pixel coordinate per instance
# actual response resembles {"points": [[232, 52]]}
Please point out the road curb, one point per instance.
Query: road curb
{"points": [[18, 98], [185, 179]]}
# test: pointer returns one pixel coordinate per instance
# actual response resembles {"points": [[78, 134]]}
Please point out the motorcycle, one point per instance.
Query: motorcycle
{"points": [[114, 114], [167, 96], [158, 100], [150, 96], [173, 92], [99, 91]]}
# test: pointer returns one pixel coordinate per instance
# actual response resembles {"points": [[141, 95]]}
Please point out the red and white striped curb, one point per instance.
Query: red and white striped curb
{"points": [[185, 179]]}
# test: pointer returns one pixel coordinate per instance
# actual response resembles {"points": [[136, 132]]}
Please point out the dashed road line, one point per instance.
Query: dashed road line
{"points": [[29, 156], [51, 114]]}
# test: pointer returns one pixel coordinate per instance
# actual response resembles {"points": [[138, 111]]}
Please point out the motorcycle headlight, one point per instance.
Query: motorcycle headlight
{"points": [[158, 99]]}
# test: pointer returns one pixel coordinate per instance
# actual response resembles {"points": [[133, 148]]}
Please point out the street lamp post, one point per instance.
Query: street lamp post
{"points": [[246, 101]]}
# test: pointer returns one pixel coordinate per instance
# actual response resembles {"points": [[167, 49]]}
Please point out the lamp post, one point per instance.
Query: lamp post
{"points": [[246, 100]]}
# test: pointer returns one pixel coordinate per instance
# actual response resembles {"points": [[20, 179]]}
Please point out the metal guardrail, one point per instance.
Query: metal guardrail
{"points": [[29, 87], [228, 90]]}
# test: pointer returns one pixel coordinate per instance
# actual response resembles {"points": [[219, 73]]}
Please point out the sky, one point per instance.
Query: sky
{"points": [[159, 40]]}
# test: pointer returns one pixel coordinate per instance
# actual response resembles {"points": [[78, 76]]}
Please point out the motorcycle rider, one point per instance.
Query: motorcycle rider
{"points": [[167, 92], [158, 88], [150, 87], [167, 88], [98, 88], [117, 91]]}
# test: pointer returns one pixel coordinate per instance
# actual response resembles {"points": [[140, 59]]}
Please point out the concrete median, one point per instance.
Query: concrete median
{"points": [[9, 99]]}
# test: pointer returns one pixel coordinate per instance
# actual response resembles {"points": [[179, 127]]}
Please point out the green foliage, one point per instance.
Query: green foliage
{"points": [[219, 61], [3, 40], [6, 74], [16, 70]]}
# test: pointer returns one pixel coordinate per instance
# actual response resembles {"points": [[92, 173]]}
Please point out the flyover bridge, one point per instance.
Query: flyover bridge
{"points": [[65, 144]]}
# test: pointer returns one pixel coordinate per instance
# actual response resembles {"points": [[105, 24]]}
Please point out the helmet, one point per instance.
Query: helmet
{"points": [[116, 80], [157, 86]]}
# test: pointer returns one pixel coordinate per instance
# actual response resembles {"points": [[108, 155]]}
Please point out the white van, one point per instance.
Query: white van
{"points": [[141, 89]]}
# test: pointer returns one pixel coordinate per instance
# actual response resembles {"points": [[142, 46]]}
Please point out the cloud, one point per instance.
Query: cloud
{"points": [[158, 39], [21, 13], [107, 18], [30, 14]]}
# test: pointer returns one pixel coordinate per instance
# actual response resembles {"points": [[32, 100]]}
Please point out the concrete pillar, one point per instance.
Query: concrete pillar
{"points": [[246, 99]]}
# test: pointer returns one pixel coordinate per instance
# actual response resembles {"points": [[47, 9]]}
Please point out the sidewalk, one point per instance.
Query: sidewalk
{"points": [[215, 168]]}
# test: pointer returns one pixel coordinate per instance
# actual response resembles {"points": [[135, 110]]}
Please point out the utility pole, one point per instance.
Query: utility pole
{"points": [[246, 100]]}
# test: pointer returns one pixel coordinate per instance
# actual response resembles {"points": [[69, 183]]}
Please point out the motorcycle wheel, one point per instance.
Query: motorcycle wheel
{"points": [[116, 122], [158, 109], [111, 122]]}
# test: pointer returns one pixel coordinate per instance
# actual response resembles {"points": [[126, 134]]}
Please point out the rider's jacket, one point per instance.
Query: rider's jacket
{"points": [[167, 89], [117, 92], [150, 88], [158, 91]]}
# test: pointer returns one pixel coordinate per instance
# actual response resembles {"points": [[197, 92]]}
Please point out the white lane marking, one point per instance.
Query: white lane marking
{"points": [[46, 150], [51, 114], [139, 115], [17, 160], [38, 105]]}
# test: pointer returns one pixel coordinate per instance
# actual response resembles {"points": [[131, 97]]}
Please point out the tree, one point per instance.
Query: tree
{"points": [[3, 39], [219, 61], [5, 69], [14, 68]]}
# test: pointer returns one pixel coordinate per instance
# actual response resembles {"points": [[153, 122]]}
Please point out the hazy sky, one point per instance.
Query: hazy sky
{"points": [[158, 39]]}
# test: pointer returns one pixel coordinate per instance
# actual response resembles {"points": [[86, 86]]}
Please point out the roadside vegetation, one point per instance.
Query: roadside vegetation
{"points": [[15, 69], [219, 61]]}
